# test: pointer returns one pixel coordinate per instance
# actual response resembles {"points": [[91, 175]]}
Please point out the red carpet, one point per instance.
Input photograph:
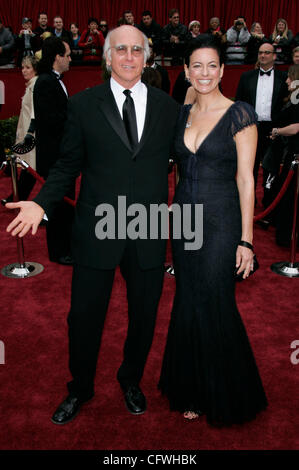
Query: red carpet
{"points": [[34, 330]]}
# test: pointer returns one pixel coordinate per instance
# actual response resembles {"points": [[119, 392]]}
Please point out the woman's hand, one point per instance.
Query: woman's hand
{"points": [[244, 260]]}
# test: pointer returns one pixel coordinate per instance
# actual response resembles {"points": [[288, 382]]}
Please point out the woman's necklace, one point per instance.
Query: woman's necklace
{"points": [[189, 122]]}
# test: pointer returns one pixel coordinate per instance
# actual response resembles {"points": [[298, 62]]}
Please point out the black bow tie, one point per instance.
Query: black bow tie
{"points": [[265, 73], [58, 76]]}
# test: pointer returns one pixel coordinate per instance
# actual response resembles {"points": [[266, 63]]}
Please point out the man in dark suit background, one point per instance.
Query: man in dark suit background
{"points": [[175, 37], [43, 24], [265, 89], [59, 31], [119, 136], [50, 109], [152, 30]]}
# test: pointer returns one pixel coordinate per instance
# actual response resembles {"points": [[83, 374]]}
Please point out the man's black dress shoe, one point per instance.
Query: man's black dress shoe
{"points": [[8, 199], [67, 410], [4, 201], [134, 399]]}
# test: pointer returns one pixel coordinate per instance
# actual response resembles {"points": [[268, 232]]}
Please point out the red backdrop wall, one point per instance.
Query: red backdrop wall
{"points": [[265, 11]]}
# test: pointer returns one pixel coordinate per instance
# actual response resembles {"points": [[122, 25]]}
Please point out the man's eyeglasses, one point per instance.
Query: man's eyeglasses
{"points": [[266, 52], [103, 25], [122, 50]]}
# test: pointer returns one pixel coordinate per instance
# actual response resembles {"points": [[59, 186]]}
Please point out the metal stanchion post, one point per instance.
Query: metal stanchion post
{"points": [[284, 268], [21, 269]]}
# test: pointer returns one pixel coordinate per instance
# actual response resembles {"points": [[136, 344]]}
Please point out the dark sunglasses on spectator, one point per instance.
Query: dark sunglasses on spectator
{"points": [[103, 25], [266, 52]]}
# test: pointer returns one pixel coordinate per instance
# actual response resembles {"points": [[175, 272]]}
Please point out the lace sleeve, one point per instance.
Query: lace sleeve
{"points": [[243, 116]]}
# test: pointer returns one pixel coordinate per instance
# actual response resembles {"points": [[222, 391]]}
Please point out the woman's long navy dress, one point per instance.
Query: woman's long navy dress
{"points": [[208, 363]]}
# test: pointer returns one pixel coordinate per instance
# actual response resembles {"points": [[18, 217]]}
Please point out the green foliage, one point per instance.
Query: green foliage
{"points": [[8, 129]]}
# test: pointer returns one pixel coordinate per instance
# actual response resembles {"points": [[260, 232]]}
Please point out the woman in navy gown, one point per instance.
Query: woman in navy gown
{"points": [[208, 366]]}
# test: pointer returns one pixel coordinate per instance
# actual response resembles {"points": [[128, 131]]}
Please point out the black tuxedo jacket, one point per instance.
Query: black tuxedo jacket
{"points": [[50, 109], [247, 90], [165, 85], [95, 143]]}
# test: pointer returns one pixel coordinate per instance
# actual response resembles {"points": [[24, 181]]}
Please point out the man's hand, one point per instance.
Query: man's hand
{"points": [[29, 217]]}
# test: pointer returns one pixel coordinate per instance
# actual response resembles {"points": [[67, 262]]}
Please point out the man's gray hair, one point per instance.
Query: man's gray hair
{"points": [[107, 47]]}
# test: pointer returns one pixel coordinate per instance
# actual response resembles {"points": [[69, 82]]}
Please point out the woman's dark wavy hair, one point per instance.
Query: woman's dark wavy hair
{"points": [[204, 41], [76, 24], [92, 20], [51, 47]]}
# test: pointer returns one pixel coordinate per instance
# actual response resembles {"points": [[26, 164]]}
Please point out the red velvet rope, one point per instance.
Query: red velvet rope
{"points": [[277, 199], [255, 218], [42, 180]]}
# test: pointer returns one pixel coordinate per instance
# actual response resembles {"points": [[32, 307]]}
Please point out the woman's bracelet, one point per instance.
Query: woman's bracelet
{"points": [[275, 131], [246, 244]]}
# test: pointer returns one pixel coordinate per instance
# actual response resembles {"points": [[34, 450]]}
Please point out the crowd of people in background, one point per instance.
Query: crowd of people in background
{"points": [[240, 43], [264, 87]]}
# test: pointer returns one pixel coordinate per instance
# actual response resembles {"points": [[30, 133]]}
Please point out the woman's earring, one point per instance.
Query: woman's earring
{"points": [[187, 78]]}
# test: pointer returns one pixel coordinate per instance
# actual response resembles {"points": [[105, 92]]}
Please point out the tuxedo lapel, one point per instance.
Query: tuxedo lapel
{"points": [[276, 88], [108, 107], [59, 87], [253, 86], [151, 116]]}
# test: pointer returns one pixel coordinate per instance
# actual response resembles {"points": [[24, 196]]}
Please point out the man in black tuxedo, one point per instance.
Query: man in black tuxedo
{"points": [[265, 89], [50, 109], [119, 136]]}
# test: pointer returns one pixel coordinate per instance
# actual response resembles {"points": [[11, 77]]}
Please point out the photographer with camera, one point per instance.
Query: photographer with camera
{"points": [[92, 42], [26, 41], [237, 38]]}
